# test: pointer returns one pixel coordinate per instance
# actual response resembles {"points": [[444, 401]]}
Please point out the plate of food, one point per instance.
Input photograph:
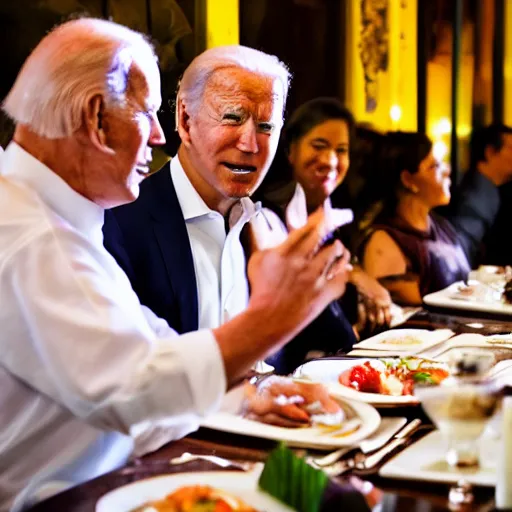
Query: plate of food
{"points": [[381, 382], [226, 491], [489, 297], [296, 411], [404, 341]]}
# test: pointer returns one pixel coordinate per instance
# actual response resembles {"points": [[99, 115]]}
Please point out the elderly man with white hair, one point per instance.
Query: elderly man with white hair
{"points": [[229, 114], [82, 362]]}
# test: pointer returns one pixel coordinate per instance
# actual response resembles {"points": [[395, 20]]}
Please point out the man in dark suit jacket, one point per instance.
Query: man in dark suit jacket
{"points": [[163, 243]]}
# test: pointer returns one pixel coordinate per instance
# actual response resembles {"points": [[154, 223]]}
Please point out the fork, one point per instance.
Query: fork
{"points": [[360, 460]]}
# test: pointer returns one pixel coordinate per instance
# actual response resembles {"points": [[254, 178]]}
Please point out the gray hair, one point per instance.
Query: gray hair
{"points": [[195, 78], [73, 63]]}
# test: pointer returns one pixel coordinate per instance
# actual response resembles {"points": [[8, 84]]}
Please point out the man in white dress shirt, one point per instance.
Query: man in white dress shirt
{"points": [[81, 361]]}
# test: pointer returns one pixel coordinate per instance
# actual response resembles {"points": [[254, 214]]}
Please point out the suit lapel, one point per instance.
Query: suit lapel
{"points": [[172, 236]]}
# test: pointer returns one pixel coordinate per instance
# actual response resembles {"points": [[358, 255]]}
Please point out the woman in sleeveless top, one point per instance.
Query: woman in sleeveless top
{"points": [[410, 249]]}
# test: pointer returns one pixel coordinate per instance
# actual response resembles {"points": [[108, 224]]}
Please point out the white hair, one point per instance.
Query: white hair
{"points": [[195, 77], [73, 63]]}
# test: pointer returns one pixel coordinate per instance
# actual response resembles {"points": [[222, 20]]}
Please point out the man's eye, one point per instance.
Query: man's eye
{"points": [[234, 118], [266, 127], [342, 151]]}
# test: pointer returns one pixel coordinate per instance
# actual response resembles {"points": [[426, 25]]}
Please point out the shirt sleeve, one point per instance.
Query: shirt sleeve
{"points": [[91, 347]]}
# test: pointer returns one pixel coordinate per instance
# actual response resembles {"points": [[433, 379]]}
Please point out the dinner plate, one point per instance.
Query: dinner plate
{"points": [[229, 420], [448, 298], [404, 341], [243, 485], [425, 461], [327, 372]]}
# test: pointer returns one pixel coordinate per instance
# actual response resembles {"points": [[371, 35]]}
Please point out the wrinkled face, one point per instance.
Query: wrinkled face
{"points": [[432, 181], [231, 140], [320, 159], [130, 131]]}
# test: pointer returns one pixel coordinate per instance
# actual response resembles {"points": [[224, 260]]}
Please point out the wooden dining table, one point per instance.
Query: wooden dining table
{"points": [[399, 495]]}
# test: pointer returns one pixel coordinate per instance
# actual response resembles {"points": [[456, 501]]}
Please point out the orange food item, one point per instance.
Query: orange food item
{"points": [[197, 498]]}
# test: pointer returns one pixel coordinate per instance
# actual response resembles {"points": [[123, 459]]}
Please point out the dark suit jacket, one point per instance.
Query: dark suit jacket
{"points": [[473, 212], [149, 240]]}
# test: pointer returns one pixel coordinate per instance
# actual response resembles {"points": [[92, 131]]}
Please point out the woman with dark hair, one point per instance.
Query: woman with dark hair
{"points": [[410, 249], [316, 145]]}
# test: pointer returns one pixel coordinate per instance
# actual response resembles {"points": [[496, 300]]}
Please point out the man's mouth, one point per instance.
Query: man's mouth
{"points": [[239, 168], [143, 169]]}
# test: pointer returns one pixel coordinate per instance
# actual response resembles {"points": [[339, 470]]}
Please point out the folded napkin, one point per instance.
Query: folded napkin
{"points": [[289, 479]]}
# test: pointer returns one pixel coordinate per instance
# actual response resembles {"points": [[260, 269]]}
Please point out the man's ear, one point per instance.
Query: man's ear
{"points": [[95, 124], [183, 122]]}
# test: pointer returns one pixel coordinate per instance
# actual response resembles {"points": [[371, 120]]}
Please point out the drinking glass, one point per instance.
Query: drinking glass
{"points": [[460, 407]]}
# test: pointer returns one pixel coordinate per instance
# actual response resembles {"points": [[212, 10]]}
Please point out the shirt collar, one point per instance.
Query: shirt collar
{"points": [[77, 210], [192, 204]]}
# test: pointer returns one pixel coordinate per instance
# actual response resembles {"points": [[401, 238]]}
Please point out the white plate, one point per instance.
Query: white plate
{"points": [[327, 372], [242, 485], [229, 420], [424, 460], [405, 341], [468, 341], [446, 299]]}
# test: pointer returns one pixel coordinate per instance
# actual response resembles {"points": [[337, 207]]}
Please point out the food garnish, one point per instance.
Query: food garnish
{"points": [[395, 377], [289, 479], [197, 498]]}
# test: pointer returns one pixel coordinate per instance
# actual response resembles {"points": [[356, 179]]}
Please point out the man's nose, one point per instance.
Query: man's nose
{"points": [[156, 136], [247, 141]]}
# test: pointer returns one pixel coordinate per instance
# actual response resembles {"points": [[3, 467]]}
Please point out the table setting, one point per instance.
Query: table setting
{"points": [[396, 441]]}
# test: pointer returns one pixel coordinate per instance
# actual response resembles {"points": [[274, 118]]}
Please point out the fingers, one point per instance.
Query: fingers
{"points": [[321, 223]]}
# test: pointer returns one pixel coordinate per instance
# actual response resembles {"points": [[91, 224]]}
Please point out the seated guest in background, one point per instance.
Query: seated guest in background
{"points": [[491, 174], [82, 362], [410, 249], [316, 143]]}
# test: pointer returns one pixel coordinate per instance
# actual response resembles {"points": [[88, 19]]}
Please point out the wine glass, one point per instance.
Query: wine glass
{"points": [[460, 407]]}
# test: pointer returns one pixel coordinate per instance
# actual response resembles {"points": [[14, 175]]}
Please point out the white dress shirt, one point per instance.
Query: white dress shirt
{"points": [[219, 259], [82, 363]]}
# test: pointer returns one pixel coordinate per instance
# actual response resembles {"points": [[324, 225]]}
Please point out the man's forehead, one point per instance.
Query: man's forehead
{"points": [[235, 83], [144, 85]]}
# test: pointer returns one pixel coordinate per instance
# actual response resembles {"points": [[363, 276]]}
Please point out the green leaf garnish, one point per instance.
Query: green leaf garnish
{"points": [[289, 479], [423, 377]]}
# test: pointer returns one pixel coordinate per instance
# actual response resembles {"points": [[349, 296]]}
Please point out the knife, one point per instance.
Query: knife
{"points": [[362, 462], [399, 439]]}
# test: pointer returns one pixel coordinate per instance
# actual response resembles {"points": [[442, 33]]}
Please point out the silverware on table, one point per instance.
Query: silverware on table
{"points": [[361, 461], [219, 461], [388, 428]]}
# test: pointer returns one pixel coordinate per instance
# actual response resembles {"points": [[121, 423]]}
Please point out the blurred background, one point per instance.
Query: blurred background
{"points": [[443, 67]]}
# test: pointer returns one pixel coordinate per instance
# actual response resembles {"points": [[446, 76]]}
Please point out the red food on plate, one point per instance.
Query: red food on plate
{"points": [[395, 377]]}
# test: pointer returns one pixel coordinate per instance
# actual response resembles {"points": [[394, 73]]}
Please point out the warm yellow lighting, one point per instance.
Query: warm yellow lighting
{"points": [[443, 127], [395, 113], [222, 22], [439, 150], [464, 130]]}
